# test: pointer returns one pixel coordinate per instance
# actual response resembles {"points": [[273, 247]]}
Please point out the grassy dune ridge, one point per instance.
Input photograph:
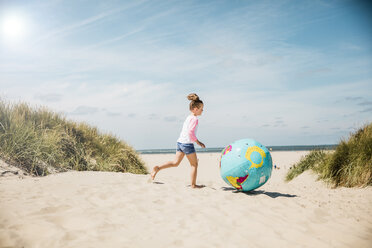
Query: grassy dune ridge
{"points": [[349, 165], [41, 141]]}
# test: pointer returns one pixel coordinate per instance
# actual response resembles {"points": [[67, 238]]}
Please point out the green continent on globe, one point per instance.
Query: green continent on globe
{"points": [[237, 181]]}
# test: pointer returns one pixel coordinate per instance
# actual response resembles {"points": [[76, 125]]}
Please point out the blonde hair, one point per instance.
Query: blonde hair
{"points": [[195, 101]]}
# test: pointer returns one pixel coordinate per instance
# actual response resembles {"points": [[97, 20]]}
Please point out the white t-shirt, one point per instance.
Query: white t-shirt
{"points": [[188, 133]]}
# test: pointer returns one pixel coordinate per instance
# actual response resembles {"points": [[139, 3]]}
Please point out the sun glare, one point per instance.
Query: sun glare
{"points": [[13, 27]]}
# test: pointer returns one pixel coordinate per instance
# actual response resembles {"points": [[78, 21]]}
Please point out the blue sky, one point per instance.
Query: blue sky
{"points": [[281, 72]]}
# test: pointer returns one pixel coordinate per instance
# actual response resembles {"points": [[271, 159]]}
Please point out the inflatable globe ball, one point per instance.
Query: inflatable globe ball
{"points": [[246, 164]]}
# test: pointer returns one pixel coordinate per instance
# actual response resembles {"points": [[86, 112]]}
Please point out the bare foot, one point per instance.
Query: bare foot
{"points": [[197, 186], [154, 172]]}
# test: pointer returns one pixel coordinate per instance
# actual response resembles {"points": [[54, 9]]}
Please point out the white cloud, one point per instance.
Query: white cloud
{"points": [[73, 27], [84, 110], [52, 97]]}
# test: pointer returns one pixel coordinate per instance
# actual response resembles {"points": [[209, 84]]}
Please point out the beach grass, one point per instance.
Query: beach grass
{"points": [[350, 165], [41, 141]]}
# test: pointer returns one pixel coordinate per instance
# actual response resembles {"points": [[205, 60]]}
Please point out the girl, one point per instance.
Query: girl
{"points": [[185, 143]]}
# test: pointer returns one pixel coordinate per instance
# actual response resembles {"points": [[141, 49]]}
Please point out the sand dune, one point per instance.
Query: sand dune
{"points": [[102, 209]]}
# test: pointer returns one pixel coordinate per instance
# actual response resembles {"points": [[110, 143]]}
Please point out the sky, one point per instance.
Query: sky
{"points": [[280, 72]]}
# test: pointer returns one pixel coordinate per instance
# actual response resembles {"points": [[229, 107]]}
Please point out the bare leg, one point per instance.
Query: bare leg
{"points": [[174, 163], [193, 159]]}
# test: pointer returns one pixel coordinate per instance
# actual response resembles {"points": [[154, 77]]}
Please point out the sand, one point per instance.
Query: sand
{"points": [[102, 209]]}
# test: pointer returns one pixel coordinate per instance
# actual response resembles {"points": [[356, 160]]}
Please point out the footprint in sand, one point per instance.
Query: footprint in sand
{"points": [[51, 210], [177, 242], [320, 216], [159, 202]]}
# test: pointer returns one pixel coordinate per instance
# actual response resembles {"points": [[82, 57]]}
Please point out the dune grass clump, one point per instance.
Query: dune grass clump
{"points": [[313, 159], [350, 165], [41, 141]]}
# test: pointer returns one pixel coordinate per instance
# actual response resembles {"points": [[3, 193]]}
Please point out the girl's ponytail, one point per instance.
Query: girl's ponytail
{"points": [[195, 101]]}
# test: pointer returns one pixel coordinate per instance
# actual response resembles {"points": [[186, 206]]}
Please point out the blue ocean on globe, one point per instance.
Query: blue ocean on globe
{"points": [[246, 164]]}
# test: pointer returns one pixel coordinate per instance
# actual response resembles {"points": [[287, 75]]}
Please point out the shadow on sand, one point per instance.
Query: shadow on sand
{"points": [[199, 186], [259, 192]]}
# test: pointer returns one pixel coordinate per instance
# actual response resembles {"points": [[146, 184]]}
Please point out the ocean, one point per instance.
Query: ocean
{"points": [[219, 149]]}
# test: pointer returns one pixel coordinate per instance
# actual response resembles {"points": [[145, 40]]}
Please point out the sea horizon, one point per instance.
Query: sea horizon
{"points": [[219, 149]]}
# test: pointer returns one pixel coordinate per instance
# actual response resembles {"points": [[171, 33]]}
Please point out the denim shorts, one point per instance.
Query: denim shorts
{"points": [[185, 148]]}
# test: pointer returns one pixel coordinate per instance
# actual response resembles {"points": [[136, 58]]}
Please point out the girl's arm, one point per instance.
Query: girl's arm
{"points": [[200, 144], [193, 124], [192, 127]]}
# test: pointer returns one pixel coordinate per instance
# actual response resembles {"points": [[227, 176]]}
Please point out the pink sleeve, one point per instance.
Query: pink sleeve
{"points": [[192, 127]]}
